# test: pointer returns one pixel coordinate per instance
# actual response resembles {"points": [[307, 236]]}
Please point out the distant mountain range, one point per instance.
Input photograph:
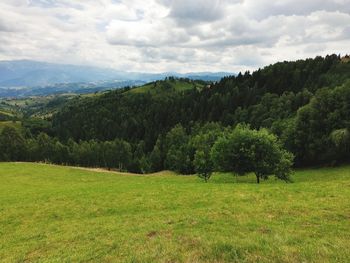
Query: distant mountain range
{"points": [[27, 78]]}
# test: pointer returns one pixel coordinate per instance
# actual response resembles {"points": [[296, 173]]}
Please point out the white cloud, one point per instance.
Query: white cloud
{"points": [[173, 35]]}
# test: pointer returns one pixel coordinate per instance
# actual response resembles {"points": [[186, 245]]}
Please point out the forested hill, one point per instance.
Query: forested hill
{"points": [[272, 97], [305, 103], [132, 114]]}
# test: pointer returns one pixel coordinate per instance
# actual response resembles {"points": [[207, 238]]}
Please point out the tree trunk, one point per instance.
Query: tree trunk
{"points": [[257, 178]]}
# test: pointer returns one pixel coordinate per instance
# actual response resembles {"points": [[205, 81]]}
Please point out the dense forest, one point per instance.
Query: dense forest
{"points": [[164, 125]]}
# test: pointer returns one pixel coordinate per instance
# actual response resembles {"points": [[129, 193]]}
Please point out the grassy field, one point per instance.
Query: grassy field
{"points": [[6, 113], [159, 87], [16, 125], [36, 106], [60, 214]]}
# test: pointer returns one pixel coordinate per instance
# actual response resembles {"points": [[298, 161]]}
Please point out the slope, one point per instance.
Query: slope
{"points": [[51, 213]]}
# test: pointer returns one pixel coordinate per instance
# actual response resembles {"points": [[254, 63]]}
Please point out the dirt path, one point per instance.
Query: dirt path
{"points": [[102, 170]]}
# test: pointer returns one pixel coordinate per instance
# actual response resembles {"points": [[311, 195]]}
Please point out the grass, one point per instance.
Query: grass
{"points": [[158, 87], [36, 106], [61, 214], [16, 125], [9, 114]]}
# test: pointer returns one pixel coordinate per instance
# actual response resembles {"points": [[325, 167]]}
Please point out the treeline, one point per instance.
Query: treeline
{"points": [[173, 151], [306, 104], [207, 148], [43, 148]]}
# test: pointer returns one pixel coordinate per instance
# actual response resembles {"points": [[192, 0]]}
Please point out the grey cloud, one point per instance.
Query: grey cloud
{"points": [[206, 10], [265, 8], [186, 12], [315, 48], [346, 32], [6, 27]]}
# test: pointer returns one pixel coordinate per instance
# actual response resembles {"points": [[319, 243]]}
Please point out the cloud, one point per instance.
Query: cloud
{"points": [[173, 35], [266, 8], [5, 26], [196, 11], [145, 33]]}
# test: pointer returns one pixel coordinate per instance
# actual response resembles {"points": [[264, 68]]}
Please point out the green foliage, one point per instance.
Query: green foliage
{"points": [[243, 151], [34, 126], [318, 126], [178, 151], [202, 141], [203, 165], [12, 145], [341, 140], [14, 124], [145, 165], [157, 156], [269, 97]]}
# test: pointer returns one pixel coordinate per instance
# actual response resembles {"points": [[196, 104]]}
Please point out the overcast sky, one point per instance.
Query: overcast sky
{"points": [[173, 35]]}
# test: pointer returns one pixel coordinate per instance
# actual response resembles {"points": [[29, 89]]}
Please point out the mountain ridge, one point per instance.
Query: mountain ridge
{"points": [[30, 73]]}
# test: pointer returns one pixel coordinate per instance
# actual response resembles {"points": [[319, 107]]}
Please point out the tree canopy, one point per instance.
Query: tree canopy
{"points": [[244, 150]]}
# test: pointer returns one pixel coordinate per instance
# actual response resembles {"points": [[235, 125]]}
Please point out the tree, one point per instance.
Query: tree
{"points": [[116, 154], [178, 160], [45, 147], [203, 165], [32, 150], [341, 141], [60, 153], [145, 165], [156, 157], [321, 126], [122, 153], [178, 151], [202, 142], [12, 145], [110, 154], [243, 150]]}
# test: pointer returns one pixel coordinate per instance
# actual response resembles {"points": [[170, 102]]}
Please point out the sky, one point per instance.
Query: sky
{"points": [[173, 35]]}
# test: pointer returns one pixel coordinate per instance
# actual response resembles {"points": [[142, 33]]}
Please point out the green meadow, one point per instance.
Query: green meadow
{"points": [[167, 86], [16, 125], [62, 214]]}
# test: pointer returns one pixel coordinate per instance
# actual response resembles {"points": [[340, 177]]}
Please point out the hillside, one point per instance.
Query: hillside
{"points": [[170, 85], [52, 213], [6, 115], [272, 97], [38, 106], [46, 106], [301, 105], [122, 111], [223, 102], [17, 125]]}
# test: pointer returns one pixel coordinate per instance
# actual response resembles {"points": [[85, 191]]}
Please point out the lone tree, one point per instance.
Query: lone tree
{"points": [[244, 150]]}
